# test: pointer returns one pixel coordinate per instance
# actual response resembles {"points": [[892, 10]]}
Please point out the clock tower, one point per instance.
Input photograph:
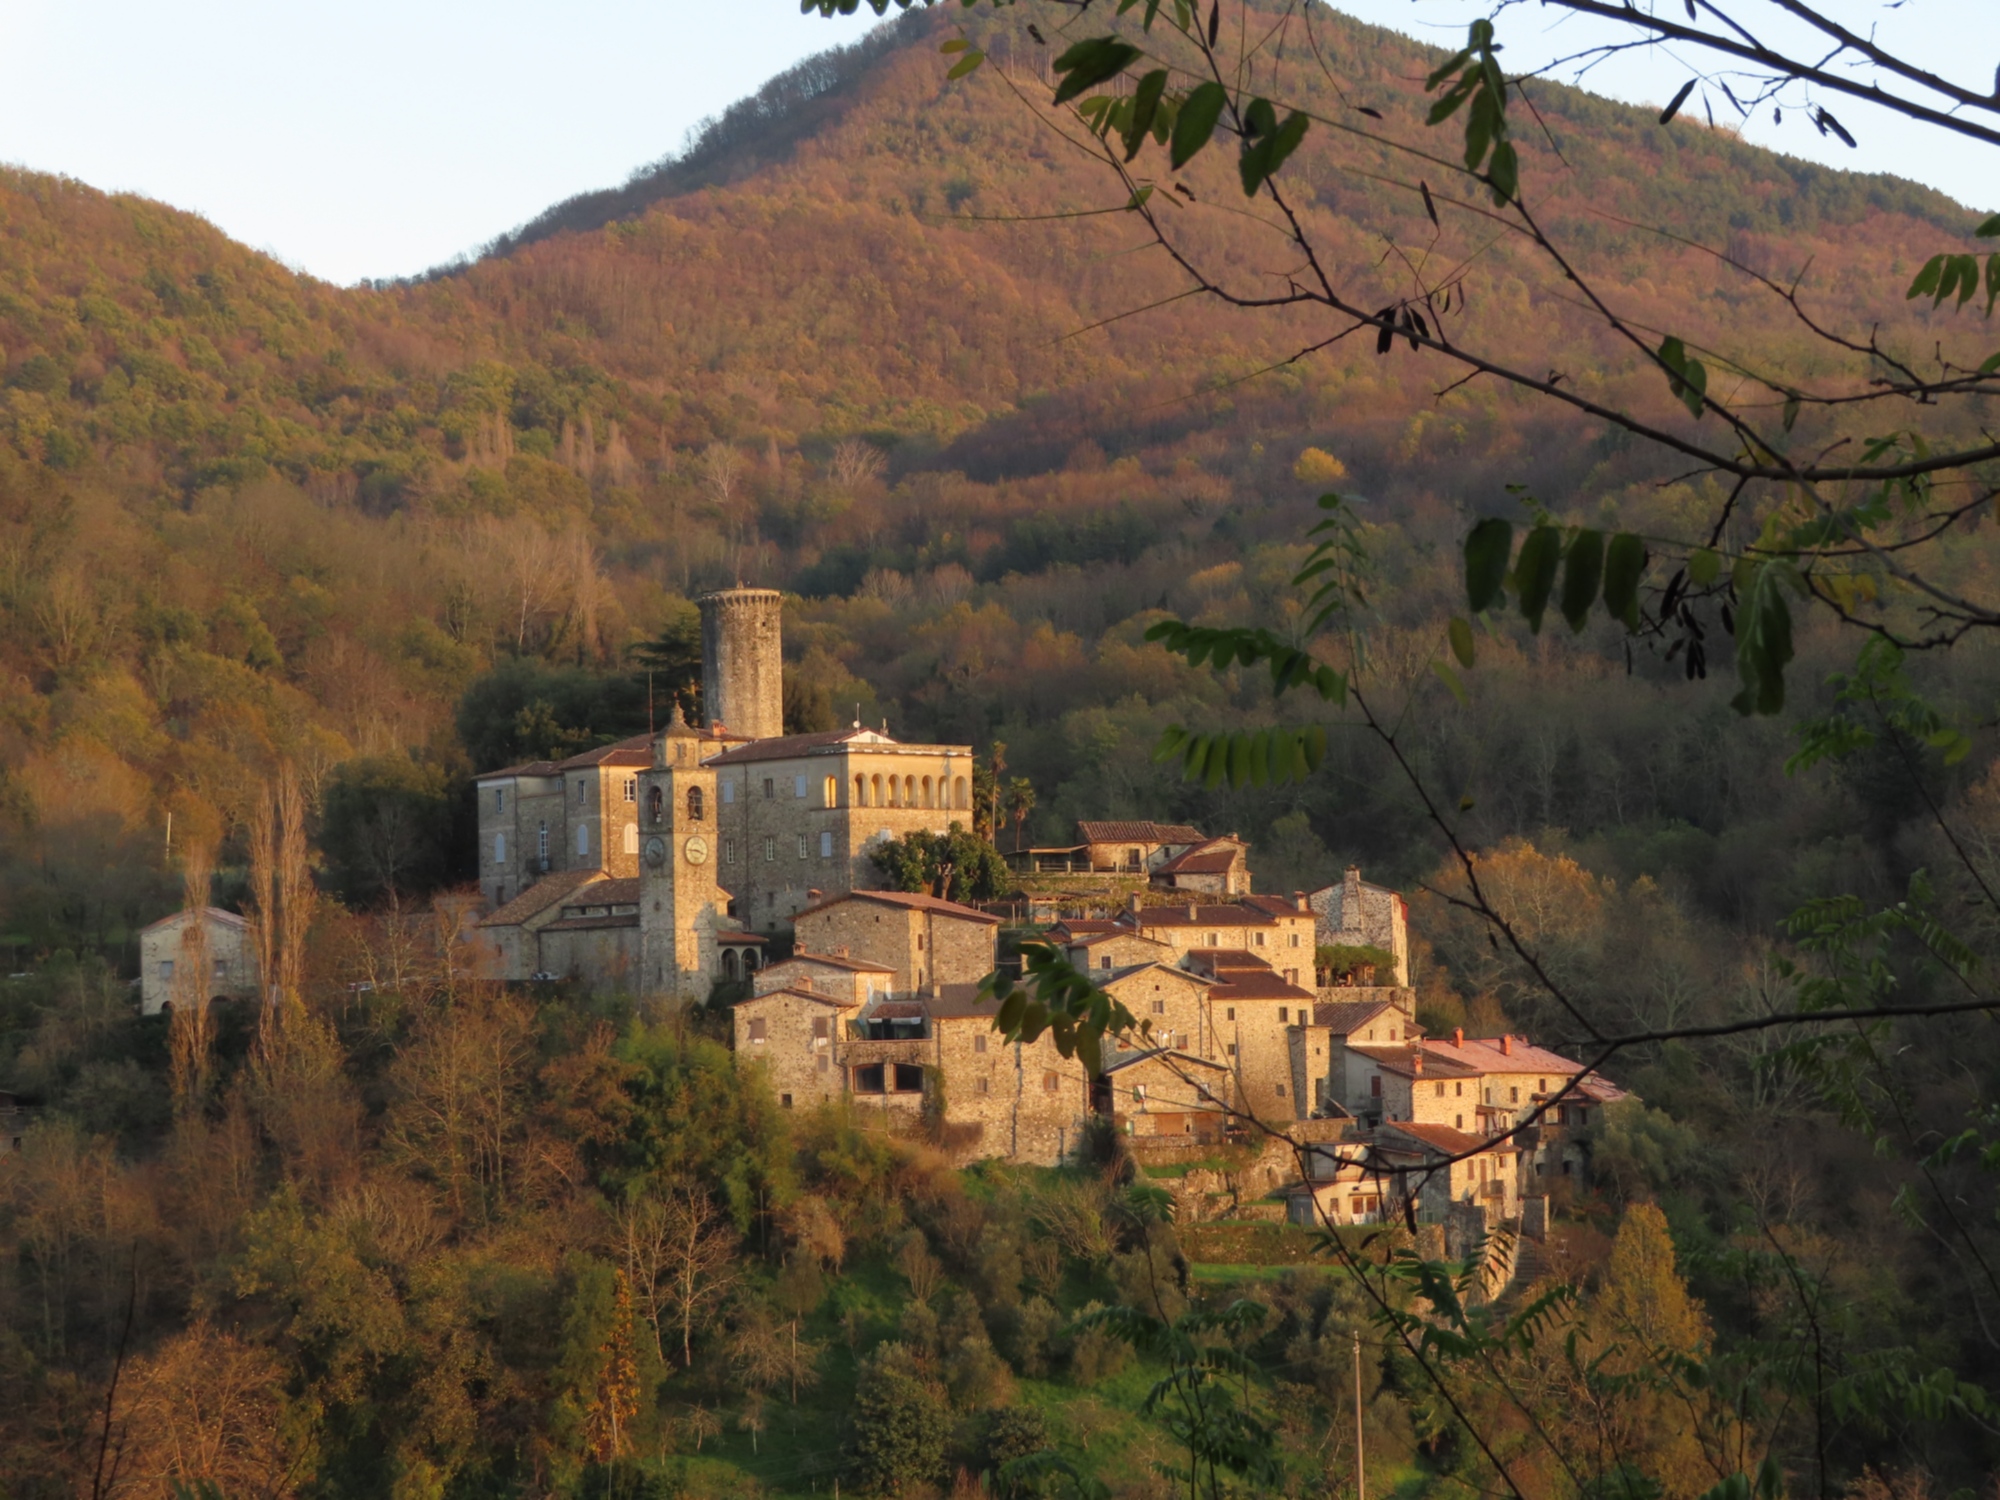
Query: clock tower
{"points": [[680, 907]]}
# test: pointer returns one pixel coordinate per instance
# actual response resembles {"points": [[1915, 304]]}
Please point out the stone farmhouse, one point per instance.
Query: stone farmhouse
{"points": [[664, 862], [169, 946]]}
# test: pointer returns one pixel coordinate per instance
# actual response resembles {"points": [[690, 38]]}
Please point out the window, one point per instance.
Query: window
{"points": [[757, 1031], [1292, 977], [802, 846], [1542, 1084], [583, 839], [1295, 940], [1458, 1089], [958, 796], [861, 791], [1459, 1122], [770, 789], [1440, 1091], [631, 789], [631, 838], [580, 793], [728, 792], [499, 848], [697, 805], [979, 1042], [166, 971], [983, 1086], [909, 1078], [927, 793], [1375, 1086], [1051, 1082], [1513, 1096], [1278, 1089], [920, 942], [1104, 962], [1284, 1014], [542, 843], [868, 1079], [1231, 1015], [499, 799], [826, 846], [1215, 940], [799, 787], [729, 851], [1159, 1007], [832, 791], [821, 1030], [1232, 1049], [784, 1101], [1260, 940], [770, 847]]}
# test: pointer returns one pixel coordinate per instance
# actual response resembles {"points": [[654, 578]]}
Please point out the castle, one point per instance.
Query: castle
{"points": [[664, 862]]}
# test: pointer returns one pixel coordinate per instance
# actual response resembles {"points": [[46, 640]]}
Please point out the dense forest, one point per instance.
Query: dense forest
{"points": [[456, 1244]]}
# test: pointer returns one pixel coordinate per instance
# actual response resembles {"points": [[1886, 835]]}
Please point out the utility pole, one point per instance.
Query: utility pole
{"points": [[1360, 1471]]}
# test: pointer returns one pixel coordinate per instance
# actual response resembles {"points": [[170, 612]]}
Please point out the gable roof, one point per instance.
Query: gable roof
{"points": [[1402, 1060], [1277, 906], [829, 961], [1349, 1016], [1253, 984], [1442, 1138], [824, 742], [1076, 927], [540, 896], [909, 901], [1490, 1055], [1222, 961], [1195, 915], [832, 1002], [1211, 857], [213, 913], [1138, 833], [618, 891]]}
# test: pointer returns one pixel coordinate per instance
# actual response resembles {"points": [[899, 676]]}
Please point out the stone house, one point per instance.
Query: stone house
{"points": [[1396, 1171], [1254, 1010], [1402, 1083], [833, 974], [1170, 1002], [1354, 914], [1215, 867], [1282, 936], [799, 1038], [164, 958], [1163, 1092], [1517, 1077], [1119, 948], [922, 940], [1134, 848]]}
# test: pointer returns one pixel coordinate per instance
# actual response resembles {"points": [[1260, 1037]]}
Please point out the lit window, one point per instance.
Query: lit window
{"points": [[832, 791], [1051, 1082], [631, 789]]}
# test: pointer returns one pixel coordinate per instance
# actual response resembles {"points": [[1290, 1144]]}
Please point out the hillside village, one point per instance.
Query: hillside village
{"points": [[730, 857]]}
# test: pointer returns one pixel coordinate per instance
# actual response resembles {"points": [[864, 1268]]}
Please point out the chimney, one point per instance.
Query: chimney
{"points": [[1417, 1062], [1132, 902], [1299, 901], [1458, 1036], [811, 894], [1193, 915], [1507, 1044], [840, 952]]}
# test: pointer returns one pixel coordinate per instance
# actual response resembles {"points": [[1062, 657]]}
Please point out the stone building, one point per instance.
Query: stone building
{"points": [[743, 661], [1215, 867], [1163, 1092], [923, 941], [798, 1036], [1280, 933], [1169, 1001], [164, 956], [1404, 1170], [1133, 848], [1354, 914]]}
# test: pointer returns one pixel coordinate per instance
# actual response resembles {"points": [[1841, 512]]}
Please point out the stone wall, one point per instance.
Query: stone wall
{"points": [[743, 661], [797, 1041], [1174, 1002], [1034, 1102]]}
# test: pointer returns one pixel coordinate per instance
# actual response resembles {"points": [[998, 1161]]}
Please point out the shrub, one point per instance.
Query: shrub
{"points": [[901, 1424]]}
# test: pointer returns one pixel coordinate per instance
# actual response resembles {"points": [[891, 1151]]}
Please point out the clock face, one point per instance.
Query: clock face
{"points": [[696, 850], [656, 851]]}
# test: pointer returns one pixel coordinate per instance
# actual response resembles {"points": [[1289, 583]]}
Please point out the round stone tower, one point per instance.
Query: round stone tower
{"points": [[743, 661]]}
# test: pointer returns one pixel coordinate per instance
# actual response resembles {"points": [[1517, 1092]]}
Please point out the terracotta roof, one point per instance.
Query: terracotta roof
{"points": [[1277, 906], [591, 924], [1231, 915], [1226, 960], [213, 913], [633, 750], [1235, 984], [907, 900], [540, 896], [960, 1002], [1125, 934], [1211, 857], [897, 1010], [829, 961], [1402, 1060], [1603, 1090], [1083, 926], [1488, 1055], [622, 891], [1138, 833], [738, 939], [1112, 976], [1448, 1141], [797, 994], [1350, 1016]]}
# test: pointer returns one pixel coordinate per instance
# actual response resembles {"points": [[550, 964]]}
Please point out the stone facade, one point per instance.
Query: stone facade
{"points": [[1117, 949], [799, 1038], [1216, 867], [1168, 1093], [163, 959], [549, 817], [831, 974], [1170, 1002], [1133, 848], [1026, 1103], [743, 661], [1354, 914], [1276, 932], [923, 941]]}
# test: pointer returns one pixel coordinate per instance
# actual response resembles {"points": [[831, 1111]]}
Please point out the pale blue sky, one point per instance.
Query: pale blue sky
{"points": [[379, 137]]}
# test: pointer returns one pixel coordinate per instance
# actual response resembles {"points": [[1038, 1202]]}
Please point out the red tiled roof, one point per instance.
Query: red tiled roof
{"points": [[739, 939], [540, 896], [1450, 1142], [1082, 926], [1231, 915], [1277, 906], [1402, 1060], [1226, 960], [960, 1002], [621, 891], [797, 994], [1201, 862], [1151, 1054], [1488, 1055], [908, 900], [1603, 1090], [786, 747], [828, 960], [1138, 833], [1242, 984]]}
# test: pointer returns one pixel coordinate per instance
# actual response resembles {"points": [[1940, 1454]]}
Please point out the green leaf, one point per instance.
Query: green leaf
{"points": [[1196, 122], [1686, 377], [966, 64], [1535, 573], [1763, 641], [1449, 678], [1704, 567], [1927, 279], [1461, 641], [1624, 567], [1992, 282], [1487, 548], [1090, 62], [1145, 104], [956, 44], [1990, 229], [1266, 143], [1583, 571]]}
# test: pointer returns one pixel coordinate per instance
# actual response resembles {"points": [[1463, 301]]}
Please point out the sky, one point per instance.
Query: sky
{"points": [[376, 138]]}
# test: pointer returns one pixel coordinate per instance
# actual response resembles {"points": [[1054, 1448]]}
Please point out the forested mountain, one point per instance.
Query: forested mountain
{"points": [[885, 341]]}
